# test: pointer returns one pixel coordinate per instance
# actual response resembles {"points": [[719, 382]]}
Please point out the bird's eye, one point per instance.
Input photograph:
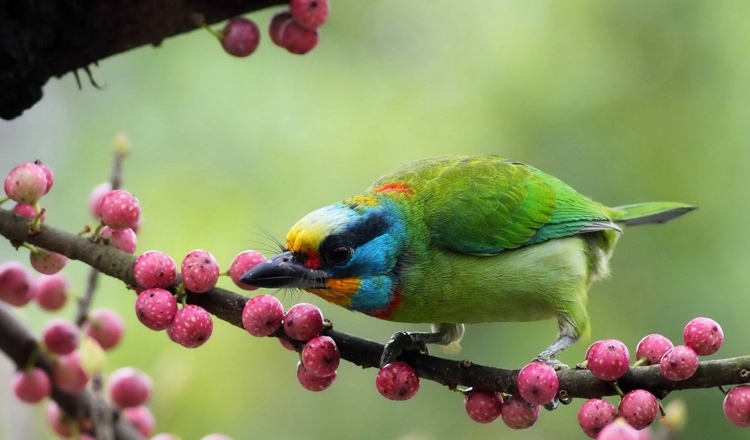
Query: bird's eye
{"points": [[339, 255]]}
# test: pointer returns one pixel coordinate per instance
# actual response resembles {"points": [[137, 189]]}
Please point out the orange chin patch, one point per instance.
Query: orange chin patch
{"points": [[338, 291]]}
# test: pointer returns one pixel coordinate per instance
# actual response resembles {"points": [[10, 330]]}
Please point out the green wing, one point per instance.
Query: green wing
{"points": [[487, 204]]}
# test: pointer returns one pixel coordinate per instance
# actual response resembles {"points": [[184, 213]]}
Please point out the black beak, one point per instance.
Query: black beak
{"points": [[283, 270]]}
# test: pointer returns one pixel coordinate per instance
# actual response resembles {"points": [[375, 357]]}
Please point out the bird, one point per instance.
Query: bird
{"points": [[453, 240]]}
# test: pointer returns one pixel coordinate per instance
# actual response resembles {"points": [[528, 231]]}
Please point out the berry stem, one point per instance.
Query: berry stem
{"points": [[617, 388]]}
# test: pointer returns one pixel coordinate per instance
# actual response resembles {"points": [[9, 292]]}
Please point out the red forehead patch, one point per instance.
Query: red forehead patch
{"points": [[397, 187]]}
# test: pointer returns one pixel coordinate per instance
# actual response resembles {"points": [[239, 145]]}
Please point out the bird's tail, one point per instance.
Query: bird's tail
{"points": [[653, 212]]}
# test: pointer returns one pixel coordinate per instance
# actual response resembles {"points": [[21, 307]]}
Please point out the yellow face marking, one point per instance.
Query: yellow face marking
{"points": [[364, 201], [339, 291]]}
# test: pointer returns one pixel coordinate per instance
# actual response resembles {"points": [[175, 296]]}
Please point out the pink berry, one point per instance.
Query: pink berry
{"points": [[17, 286], [243, 262], [303, 322], [154, 269], [48, 174], [639, 408], [678, 363], [192, 326], [119, 209], [106, 327], [240, 37], [200, 271], [312, 382], [276, 24], [286, 344], [518, 413], [320, 356], [142, 418], [537, 383], [703, 335], [122, 239], [262, 315], [737, 406], [95, 198], [397, 381], [156, 308], [26, 210], [68, 374], [594, 415], [31, 386], [47, 262], [618, 430], [53, 291], [483, 406], [165, 436], [26, 183], [309, 14], [58, 421], [608, 359], [60, 336], [129, 387], [297, 39], [652, 348]]}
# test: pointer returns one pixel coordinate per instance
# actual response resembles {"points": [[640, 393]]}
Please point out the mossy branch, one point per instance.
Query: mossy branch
{"points": [[227, 305]]}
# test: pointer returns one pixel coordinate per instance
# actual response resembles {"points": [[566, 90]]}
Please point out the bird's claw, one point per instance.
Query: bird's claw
{"points": [[400, 342], [554, 363]]}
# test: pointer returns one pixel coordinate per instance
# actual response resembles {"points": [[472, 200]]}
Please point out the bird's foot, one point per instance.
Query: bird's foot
{"points": [[554, 363], [400, 342]]}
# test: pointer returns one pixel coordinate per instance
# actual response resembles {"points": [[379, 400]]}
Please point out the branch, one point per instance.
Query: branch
{"points": [[17, 342], [46, 38], [228, 306]]}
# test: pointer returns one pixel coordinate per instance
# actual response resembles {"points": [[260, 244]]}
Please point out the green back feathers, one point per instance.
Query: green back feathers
{"points": [[487, 204]]}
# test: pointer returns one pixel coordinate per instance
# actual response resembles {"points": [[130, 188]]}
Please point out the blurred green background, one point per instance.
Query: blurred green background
{"points": [[627, 101]]}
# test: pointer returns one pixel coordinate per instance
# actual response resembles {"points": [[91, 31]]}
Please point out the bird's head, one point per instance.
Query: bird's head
{"points": [[347, 253]]}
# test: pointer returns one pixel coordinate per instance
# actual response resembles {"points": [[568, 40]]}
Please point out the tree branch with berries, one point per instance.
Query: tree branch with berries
{"points": [[183, 304]]}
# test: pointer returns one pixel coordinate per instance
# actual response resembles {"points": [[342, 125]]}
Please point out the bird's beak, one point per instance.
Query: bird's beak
{"points": [[283, 270]]}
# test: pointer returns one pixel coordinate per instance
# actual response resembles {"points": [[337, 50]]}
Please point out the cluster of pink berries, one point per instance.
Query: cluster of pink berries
{"points": [[296, 30], [609, 360]]}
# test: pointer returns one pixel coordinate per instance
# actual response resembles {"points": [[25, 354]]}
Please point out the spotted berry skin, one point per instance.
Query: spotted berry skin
{"points": [[518, 413], [397, 381], [303, 322], [619, 430], [240, 37], [68, 374], [297, 39], [737, 406], [47, 262], [262, 315], [129, 387], [26, 183], [31, 386], [594, 415], [60, 336], [608, 359], [106, 327], [154, 269], [192, 326], [119, 209], [276, 24], [703, 335], [122, 239], [678, 363], [243, 262], [52, 293], [639, 408], [320, 356], [312, 382], [17, 286], [48, 174], [200, 271], [537, 383], [156, 308], [310, 14], [142, 418], [652, 348], [483, 406], [95, 198]]}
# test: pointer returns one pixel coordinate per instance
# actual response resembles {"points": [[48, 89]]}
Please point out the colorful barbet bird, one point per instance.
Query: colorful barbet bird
{"points": [[451, 240]]}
